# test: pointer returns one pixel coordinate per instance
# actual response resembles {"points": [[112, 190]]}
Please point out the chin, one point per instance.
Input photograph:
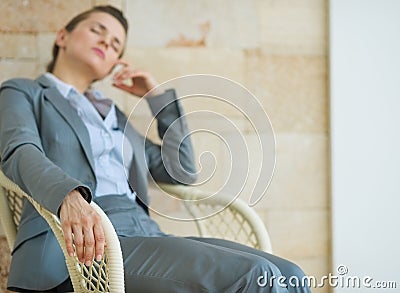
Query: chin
{"points": [[99, 74], [98, 71]]}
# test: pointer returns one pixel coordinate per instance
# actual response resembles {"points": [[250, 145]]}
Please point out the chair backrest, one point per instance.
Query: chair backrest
{"points": [[230, 223], [222, 217]]}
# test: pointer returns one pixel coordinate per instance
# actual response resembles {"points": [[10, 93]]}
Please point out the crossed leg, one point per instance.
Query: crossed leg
{"points": [[176, 264]]}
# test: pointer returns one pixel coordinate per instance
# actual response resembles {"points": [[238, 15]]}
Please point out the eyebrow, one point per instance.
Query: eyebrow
{"points": [[102, 27]]}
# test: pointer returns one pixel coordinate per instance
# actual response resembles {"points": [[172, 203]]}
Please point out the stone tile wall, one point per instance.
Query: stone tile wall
{"points": [[278, 49]]}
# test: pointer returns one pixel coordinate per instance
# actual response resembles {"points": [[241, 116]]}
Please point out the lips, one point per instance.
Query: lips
{"points": [[99, 52]]}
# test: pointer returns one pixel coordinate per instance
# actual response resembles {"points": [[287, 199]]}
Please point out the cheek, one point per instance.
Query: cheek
{"points": [[111, 62]]}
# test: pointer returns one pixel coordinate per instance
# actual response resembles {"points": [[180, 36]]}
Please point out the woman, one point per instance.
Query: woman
{"points": [[61, 143]]}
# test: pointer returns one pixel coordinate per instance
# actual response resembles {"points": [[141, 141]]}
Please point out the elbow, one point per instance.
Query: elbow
{"points": [[188, 174], [190, 178], [185, 176]]}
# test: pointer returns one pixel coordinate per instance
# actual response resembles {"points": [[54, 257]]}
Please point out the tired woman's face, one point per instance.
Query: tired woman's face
{"points": [[95, 44]]}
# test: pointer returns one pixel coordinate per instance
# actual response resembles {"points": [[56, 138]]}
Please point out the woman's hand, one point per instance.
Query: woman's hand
{"points": [[79, 219], [141, 82]]}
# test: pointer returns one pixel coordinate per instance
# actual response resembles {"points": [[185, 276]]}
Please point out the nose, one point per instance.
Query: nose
{"points": [[105, 40]]}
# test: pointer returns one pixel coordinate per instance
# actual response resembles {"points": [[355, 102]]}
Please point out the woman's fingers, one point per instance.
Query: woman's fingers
{"points": [[99, 240], [124, 71], [67, 231], [129, 73], [82, 227], [79, 242], [123, 87], [89, 244], [135, 81]]}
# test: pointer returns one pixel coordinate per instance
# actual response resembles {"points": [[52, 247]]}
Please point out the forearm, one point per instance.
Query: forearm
{"points": [[176, 154], [39, 177]]}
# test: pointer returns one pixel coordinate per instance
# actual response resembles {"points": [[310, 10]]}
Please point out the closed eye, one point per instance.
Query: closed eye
{"points": [[115, 47], [100, 29], [95, 30]]}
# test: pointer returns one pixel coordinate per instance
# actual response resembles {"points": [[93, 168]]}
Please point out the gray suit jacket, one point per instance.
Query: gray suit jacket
{"points": [[45, 149]]}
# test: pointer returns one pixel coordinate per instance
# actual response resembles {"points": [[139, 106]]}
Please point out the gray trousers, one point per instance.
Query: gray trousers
{"points": [[173, 264], [156, 262]]}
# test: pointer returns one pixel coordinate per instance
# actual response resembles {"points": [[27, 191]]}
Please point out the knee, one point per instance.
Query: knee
{"points": [[264, 271], [258, 275], [285, 276], [290, 269]]}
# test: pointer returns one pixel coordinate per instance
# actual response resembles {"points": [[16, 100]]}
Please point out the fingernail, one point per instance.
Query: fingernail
{"points": [[98, 258], [71, 254], [87, 263]]}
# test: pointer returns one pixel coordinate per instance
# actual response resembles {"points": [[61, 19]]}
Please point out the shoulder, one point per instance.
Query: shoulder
{"points": [[20, 83], [30, 87]]}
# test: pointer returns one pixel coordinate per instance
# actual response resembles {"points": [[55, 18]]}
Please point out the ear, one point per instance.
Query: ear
{"points": [[62, 36]]}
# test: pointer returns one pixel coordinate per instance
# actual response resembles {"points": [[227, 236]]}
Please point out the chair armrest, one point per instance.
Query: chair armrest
{"points": [[109, 276], [7, 219], [236, 210], [104, 276]]}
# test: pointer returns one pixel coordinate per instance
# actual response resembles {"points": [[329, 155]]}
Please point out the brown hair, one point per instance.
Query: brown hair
{"points": [[84, 15]]}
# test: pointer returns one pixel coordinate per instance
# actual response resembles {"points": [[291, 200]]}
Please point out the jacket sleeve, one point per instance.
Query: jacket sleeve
{"points": [[22, 156], [173, 160]]}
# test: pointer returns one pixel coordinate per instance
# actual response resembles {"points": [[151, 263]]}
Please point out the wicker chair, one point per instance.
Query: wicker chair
{"points": [[221, 217], [237, 222]]}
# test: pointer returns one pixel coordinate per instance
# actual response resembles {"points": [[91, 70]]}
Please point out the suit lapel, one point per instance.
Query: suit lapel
{"points": [[138, 169], [132, 135], [70, 115]]}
